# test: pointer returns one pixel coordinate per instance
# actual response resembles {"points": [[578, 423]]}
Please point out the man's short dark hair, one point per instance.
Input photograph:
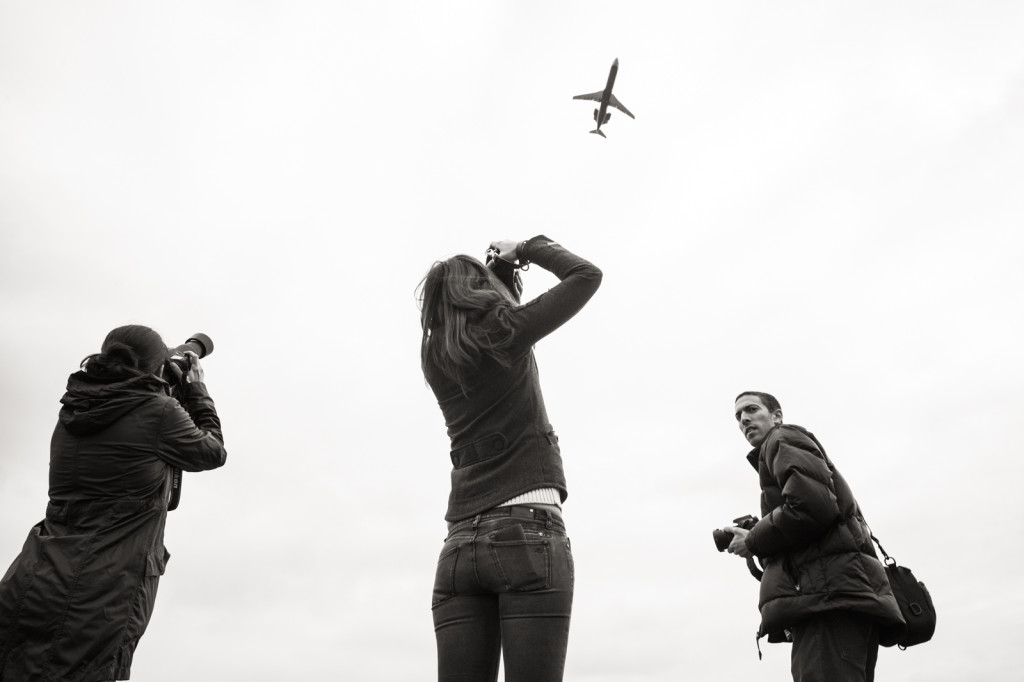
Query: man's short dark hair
{"points": [[767, 399]]}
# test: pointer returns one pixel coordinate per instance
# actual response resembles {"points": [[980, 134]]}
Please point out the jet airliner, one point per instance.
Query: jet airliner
{"points": [[606, 98]]}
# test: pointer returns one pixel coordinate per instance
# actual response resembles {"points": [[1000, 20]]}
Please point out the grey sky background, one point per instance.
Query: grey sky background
{"points": [[822, 201]]}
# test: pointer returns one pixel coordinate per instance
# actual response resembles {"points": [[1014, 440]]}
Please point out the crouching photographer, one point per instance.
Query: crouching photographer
{"points": [[93, 563]]}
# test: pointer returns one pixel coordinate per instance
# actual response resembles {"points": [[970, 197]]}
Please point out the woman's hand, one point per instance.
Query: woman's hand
{"points": [[506, 249]]}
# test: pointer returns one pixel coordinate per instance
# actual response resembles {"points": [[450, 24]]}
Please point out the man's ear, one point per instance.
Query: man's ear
{"points": [[777, 417]]}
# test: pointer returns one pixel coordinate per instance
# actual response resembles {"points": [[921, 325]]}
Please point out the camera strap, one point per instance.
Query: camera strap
{"points": [[754, 570], [175, 489]]}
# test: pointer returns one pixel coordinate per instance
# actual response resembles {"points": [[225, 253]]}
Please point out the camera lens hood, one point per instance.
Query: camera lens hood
{"points": [[204, 343]]}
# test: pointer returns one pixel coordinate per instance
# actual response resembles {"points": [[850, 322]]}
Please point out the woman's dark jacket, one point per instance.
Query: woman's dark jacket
{"points": [[502, 444], [812, 538], [75, 602]]}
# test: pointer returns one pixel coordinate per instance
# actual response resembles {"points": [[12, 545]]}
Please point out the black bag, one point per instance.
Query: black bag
{"points": [[915, 604]]}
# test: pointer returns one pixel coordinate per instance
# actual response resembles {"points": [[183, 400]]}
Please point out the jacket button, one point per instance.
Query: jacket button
{"points": [[499, 444]]}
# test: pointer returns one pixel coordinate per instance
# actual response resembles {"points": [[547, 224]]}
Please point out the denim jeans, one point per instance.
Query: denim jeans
{"points": [[504, 583]]}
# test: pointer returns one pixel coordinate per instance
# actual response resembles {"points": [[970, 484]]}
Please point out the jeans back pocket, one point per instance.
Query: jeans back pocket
{"points": [[524, 564]]}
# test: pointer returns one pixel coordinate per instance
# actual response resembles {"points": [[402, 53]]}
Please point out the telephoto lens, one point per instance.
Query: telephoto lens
{"points": [[178, 364], [200, 344]]}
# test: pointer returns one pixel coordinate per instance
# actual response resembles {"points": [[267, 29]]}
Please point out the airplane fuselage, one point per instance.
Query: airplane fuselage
{"points": [[606, 97]]}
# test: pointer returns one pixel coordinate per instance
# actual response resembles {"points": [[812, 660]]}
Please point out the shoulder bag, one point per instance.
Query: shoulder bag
{"points": [[915, 604]]}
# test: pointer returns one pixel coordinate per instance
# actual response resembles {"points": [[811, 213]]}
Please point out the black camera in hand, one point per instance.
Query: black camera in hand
{"points": [[179, 364], [507, 272], [723, 538]]}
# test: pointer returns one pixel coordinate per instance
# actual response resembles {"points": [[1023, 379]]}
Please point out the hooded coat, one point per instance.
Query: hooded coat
{"points": [[75, 602], [812, 538]]}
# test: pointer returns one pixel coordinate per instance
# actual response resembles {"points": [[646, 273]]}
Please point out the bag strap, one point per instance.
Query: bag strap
{"points": [[889, 561]]}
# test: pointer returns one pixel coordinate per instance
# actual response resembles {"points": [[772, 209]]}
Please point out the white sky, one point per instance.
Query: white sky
{"points": [[818, 200]]}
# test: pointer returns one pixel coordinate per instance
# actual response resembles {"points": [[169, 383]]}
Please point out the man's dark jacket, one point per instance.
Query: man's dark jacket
{"points": [[75, 602], [812, 538]]}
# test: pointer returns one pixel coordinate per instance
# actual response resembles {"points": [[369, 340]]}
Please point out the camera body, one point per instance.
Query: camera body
{"points": [[723, 538], [179, 364]]}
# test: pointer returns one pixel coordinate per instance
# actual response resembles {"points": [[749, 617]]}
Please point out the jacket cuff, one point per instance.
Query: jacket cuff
{"points": [[527, 247]]}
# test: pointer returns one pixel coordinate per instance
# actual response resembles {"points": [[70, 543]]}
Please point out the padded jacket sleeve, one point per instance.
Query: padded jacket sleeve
{"points": [[808, 501]]}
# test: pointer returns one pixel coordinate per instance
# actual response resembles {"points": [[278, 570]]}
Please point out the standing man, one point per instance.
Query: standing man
{"points": [[823, 587]]}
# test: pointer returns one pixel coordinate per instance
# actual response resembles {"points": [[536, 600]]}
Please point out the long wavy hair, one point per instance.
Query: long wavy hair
{"points": [[131, 350], [464, 316]]}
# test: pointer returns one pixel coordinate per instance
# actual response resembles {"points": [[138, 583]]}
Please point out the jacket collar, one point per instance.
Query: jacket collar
{"points": [[755, 453]]}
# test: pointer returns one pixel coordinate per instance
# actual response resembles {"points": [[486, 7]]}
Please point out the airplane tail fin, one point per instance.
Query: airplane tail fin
{"points": [[599, 132]]}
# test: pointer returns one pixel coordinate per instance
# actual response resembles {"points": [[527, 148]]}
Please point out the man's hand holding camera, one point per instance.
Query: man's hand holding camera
{"points": [[738, 546]]}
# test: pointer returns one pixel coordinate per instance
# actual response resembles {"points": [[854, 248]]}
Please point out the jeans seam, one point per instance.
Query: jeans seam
{"points": [[476, 532]]}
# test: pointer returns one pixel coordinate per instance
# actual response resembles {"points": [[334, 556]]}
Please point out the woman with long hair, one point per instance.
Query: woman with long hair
{"points": [[504, 580], [75, 602]]}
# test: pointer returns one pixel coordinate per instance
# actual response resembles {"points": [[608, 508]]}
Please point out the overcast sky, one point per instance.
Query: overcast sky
{"points": [[821, 201]]}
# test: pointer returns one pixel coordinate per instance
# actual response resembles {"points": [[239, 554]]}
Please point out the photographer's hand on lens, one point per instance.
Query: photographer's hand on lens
{"points": [[195, 371], [738, 546]]}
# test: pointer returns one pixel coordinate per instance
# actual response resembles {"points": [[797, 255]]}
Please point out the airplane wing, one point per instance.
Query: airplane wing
{"points": [[618, 105], [596, 96]]}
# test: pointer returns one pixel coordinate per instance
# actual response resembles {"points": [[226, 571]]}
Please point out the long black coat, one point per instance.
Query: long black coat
{"points": [[813, 540], [75, 602]]}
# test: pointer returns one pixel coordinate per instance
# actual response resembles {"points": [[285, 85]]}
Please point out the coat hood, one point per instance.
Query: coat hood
{"points": [[92, 403]]}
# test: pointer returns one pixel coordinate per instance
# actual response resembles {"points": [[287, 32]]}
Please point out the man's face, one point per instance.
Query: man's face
{"points": [[754, 419]]}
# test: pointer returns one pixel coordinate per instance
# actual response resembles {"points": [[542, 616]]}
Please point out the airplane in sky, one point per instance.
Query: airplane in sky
{"points": [[605, 97]]}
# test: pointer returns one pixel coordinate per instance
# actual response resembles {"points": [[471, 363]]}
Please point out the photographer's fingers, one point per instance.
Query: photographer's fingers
{"points": [[506, 249], [738, 545], [195, 372]]}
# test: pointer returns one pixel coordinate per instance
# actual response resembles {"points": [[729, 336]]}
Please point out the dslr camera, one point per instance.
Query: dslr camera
{"points": [[179, 364], [723, 538]]}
